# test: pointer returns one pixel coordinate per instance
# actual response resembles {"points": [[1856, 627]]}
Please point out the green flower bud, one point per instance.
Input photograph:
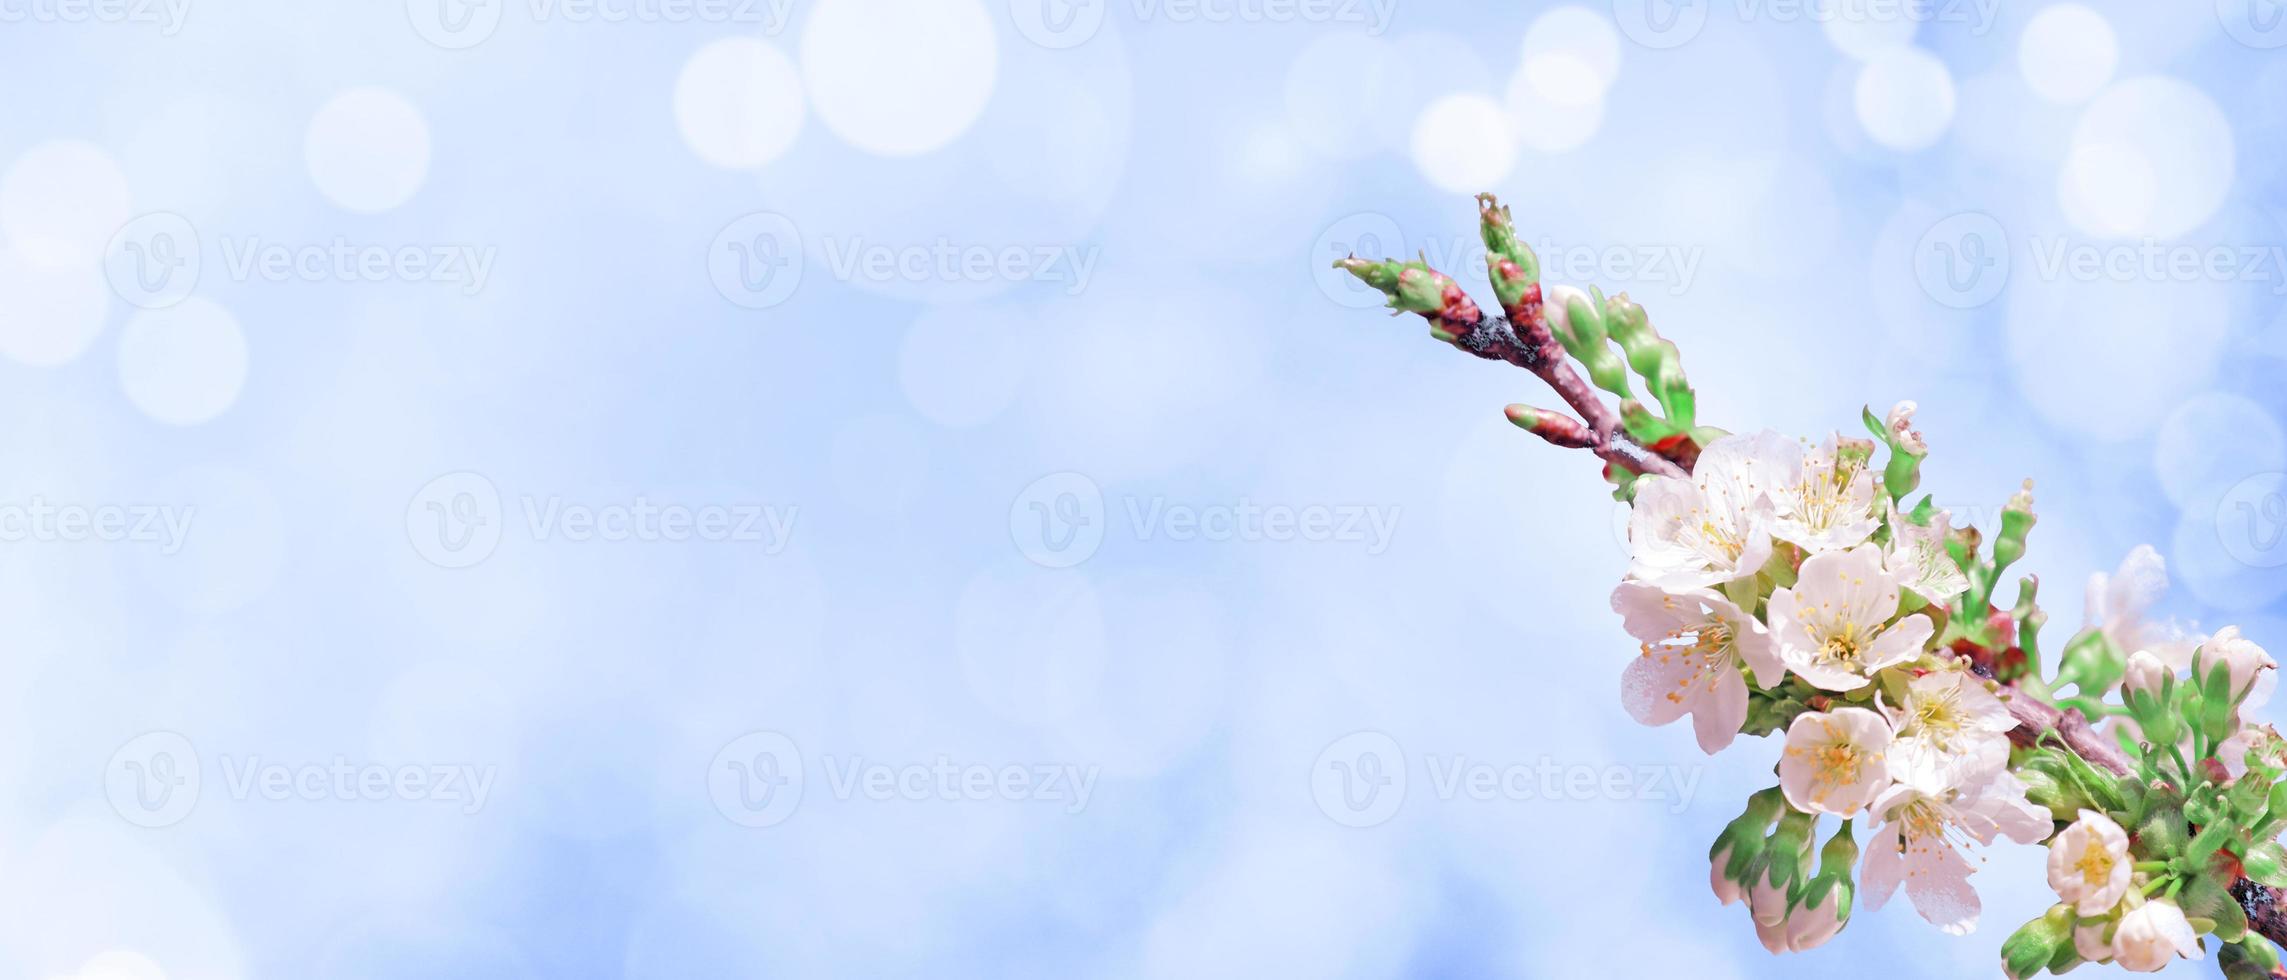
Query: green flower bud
{"points": [[2092, 662], [2029, 950], [2016, 522], [2251, 959], [1509, 262]]}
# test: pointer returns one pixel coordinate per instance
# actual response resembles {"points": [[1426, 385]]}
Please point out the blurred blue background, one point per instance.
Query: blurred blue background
{"points": [[675, 488]]}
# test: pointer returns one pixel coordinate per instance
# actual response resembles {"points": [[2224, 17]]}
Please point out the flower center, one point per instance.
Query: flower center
{"points": [[2095, 865], [1842, 645], [1705, 648], [1823, 499]]}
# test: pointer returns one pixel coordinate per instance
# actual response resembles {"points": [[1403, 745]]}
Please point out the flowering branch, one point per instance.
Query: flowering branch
{"points": [[1523, 337], [1776, 586]]}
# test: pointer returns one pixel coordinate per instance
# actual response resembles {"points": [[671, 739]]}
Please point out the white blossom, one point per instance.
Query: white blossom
{"points": [[1834, 760], [1715, 526], [2152, 935], [2118, 603], [2089, 865], [1922, 836], [1917, 555], [1830, 625], [1951, 731], [1828, 502], [1694, 644]]}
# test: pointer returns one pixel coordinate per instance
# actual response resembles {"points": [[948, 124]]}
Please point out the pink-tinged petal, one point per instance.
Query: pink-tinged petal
{"points": [[1773, 936], [1757, 648], [1900, 643], [1756, 551], [1885, 868], [1739, 471], [2021, 820], [1873, 592], [1717, 715], [1937, 880], [1650, 613], [1826, 677], [1810, 928], [1656, 687], [1726, 890], [1767, 902]]}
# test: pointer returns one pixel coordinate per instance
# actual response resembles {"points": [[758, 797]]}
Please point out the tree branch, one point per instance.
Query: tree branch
{"points": [[2266, 907]]}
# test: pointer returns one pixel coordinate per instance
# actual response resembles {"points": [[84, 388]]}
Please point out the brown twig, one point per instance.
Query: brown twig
{"points": [[1537, 350]]}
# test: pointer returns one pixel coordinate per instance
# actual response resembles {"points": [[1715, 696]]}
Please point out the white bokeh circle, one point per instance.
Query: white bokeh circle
{"points": [[1864, 29], [2213, 441], [48, 316], [1551, 105], [184, 364], [367, 150], [1462, 143], [1578, 35], [738, 102], [60, 203], [899, 77], [1904, 98], [2152, 156], [2067, 53]]}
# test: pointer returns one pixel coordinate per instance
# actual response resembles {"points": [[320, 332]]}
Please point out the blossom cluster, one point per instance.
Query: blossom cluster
{"points": [[1781, 587]]}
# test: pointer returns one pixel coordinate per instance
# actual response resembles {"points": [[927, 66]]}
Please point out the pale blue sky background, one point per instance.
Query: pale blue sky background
{"points": [[890, 487]]}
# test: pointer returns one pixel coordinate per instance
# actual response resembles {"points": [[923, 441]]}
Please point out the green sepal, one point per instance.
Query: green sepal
{"points": [[2266, 863], [2209, 897], [1509, 262], [2028, 950]]}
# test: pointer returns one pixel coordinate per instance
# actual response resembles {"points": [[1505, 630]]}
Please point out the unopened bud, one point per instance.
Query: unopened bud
{"points": [[2029, 950], [2146, 675]]}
